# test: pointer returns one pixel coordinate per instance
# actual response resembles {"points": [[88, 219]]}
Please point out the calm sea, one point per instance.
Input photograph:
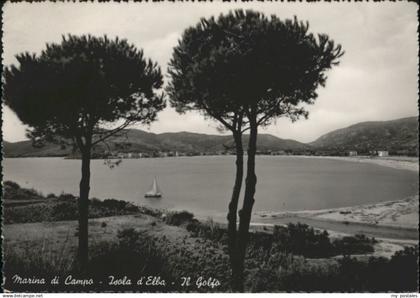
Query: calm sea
{"points": [[203, 185]]}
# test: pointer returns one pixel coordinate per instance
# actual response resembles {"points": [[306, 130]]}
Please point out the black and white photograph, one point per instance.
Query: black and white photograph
{"points": [[210, 147]]}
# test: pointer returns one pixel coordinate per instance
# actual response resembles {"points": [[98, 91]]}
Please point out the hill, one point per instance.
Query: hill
{"points": [[396, 136], [135, 140], [25, 149]]}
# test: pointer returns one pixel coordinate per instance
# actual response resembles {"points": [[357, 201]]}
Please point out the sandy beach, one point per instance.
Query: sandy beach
{"points": [[395, 162], [397, 214], [394, 224]]}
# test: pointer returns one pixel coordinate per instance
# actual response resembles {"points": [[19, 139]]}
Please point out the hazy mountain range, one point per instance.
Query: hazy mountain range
{"points": [[399, 135]]}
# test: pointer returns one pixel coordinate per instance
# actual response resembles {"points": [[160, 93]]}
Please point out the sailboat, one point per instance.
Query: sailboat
{"points": [[154, 191]]}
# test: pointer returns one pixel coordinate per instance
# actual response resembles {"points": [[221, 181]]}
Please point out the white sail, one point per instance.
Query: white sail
{"points": [[154, 191]]}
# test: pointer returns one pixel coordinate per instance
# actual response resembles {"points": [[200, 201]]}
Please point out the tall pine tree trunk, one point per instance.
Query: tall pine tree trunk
{"points": [[84, 209], [246, 211], [232, 214]]}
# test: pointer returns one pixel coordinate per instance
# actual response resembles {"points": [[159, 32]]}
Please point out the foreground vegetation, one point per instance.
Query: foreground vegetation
{"points": [[171, 245], [138, 254]]}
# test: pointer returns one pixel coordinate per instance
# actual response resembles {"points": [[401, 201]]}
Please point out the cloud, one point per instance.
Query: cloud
{"points": [[157, 49], [376, 80]]}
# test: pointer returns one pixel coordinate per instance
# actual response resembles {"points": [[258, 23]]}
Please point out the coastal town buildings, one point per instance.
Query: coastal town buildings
{"points": [[352, 153], [383, 153]]}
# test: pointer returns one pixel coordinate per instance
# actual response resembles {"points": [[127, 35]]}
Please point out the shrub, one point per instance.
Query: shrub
{"points": [[65, 210], [378, 274], [51, 196], [297, 239], [404, 265], [128, 238], [208, 230], [303, 240], [12, 191], [177, 218], [67, 198], [358, 244], [150, 211], [281, 272], [11, 185], [29, 213]]}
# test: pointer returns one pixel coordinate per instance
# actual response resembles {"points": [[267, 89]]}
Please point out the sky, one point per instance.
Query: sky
{"points": [[376, 79]]}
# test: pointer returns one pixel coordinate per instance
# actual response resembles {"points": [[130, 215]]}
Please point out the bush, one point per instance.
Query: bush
{"points": [[177, 218], [29, 213], [297, 239], [281, 272], [186, 258], [303, 240], [208, 230], [398, 274], [12, 191], [404, 265], [128, 238], [65, 210], [358, 244], [67, 198], [150, 211], [11, 185]]}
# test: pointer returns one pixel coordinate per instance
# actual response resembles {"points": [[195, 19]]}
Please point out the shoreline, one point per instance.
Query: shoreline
{"points": [[395, 162], [383, 214], [397, 219], [339, 227]]}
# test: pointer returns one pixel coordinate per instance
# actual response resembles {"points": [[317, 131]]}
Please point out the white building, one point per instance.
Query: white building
{"points": [[383, 153], [352, 153]]}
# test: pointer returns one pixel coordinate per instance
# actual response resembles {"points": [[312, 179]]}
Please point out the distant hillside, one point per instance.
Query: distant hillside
{"points": [[395, 135], [25, 149], [135, 140]]}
